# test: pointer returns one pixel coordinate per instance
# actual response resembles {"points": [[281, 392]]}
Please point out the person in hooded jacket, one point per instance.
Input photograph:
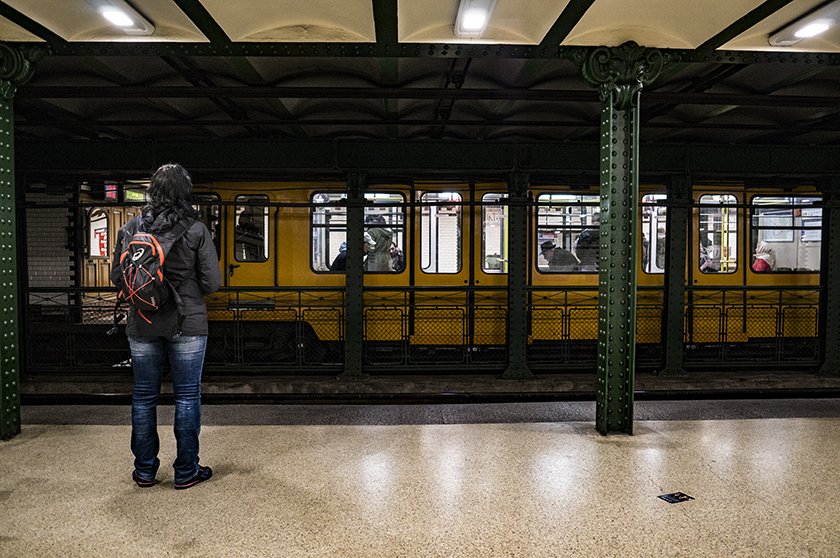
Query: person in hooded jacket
{"points": [[765, 258], [178, 332]]}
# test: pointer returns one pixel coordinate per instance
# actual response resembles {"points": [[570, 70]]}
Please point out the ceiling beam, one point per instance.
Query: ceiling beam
{"points": [[202, 19], [30, 25], [567, 20], [95, 92], [757, 15], [385, 22], [35, 122]]}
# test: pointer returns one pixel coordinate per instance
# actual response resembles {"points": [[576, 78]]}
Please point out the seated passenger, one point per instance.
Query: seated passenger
{"points": [[765, 259], [340, 261], [587, 245], [709, 258], [558, 259]]}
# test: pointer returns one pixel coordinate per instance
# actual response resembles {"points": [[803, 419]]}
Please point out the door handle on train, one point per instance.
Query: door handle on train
{"points": [[231, 267]]}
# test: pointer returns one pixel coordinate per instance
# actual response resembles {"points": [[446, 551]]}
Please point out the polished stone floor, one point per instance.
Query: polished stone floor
{"points": [[528, 479]]}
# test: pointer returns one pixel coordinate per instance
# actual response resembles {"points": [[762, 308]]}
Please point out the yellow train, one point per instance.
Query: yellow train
{"points": [[436, 271]]}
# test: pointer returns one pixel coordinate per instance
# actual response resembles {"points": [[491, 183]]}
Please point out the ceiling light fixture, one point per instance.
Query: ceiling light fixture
{"points": [[473, 17], [123, 15], [811, 25]]}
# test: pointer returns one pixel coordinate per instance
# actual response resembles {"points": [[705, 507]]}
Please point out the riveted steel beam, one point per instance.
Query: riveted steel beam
{"points": [[619, 74], [412, 50], [676, 240], [830, 280], [517, 277], [16, 66], [354, 296]]}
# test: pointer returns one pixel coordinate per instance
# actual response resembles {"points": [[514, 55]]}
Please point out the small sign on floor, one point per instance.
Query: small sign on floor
{"points": [[676, 497]]}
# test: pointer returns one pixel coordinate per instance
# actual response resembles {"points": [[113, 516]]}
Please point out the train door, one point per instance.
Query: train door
{"points": [[440, 307], [716, 269], [103, 223], [651, 307], [249, 246]]}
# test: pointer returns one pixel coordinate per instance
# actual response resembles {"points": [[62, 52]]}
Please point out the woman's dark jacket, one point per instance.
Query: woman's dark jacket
{"points": [[192, 267]]}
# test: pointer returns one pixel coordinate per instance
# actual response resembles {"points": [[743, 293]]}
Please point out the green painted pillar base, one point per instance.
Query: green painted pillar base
{"points": [[619, 73], [673, 330], [830, 280], [517, 368], [16, 67], [354, 295]]}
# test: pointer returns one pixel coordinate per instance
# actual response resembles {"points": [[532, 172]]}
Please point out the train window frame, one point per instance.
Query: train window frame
{"points": [[316, 243], [705, 263], [266, 240], [577, 211], [657, 208], [104, 212], [398, 230], [319, 240], [789, 214], [426, 244], [216, 234], [503, 234]]}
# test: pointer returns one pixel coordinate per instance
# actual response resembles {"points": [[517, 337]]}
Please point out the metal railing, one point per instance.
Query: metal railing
{"points": [[428, 329]]}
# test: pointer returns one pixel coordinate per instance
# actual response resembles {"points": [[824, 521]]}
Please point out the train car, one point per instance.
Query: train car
{"points": [[436, 272]]}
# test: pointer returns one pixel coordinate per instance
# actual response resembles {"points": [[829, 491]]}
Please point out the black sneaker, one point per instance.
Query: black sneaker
{"points": [[202, 475], [142, 483]]}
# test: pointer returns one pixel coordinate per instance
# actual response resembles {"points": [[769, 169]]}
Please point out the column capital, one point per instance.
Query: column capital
{"points": [[17, 65], [621, 72]]}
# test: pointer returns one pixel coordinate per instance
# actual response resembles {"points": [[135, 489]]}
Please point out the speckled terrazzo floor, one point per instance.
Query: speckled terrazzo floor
{"points": [[763, 487]]}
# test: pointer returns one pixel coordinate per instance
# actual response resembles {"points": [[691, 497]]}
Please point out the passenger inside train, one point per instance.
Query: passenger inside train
{"points": [[765, 258], [557, 258]]}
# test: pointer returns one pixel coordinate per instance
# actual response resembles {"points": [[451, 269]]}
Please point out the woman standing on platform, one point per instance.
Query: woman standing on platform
{"points": [[176, 331]]}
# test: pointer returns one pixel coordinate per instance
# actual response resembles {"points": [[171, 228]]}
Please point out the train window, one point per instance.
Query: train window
{"points": [[250, 235], [209, 208], [440, 232], [98, 234], [329, 232], [567, 233], [494, 245], [654, 232], [385, 232], [718, 234], [786, 234]]}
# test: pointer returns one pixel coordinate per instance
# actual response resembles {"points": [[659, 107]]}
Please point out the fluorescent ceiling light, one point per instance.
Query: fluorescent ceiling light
{"points": [[123, 15], [473, 17], [117, 17], [811, 25]]}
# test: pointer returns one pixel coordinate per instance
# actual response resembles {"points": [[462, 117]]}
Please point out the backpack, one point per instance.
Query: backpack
{"points": [[144, 286]]}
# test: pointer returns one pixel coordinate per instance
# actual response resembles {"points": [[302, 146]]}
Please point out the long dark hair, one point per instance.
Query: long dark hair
{"points": [[169, 193]]}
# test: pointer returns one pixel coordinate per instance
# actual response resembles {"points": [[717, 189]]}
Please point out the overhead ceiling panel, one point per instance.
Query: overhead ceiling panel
{"points": [[295, 21], [431, 21], [76, 20], [654, 23], [12, 32], [756, 38]]}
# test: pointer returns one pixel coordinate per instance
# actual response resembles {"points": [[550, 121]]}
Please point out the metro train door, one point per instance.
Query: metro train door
{"points": [[249, 243]]}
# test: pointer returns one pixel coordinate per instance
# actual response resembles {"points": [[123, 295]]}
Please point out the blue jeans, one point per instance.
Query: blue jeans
{"points": [[186, 357]]}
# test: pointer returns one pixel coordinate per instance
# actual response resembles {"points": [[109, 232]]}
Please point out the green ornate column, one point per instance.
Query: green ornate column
{"points": [[354, 295], [673, 327], [16, 67], [517, 277], [619, 74], [830, 280]]}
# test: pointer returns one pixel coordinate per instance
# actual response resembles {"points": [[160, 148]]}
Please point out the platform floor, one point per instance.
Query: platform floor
{"points": [[486, 480]]}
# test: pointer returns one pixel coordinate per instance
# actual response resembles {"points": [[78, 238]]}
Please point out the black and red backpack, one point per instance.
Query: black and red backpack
{"points": [[144, 286]]}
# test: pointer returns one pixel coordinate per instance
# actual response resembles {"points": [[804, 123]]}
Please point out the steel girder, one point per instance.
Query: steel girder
{"points": [[830, 280], [517, 277], [619, 74], [16, 66], [675, 257]]}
